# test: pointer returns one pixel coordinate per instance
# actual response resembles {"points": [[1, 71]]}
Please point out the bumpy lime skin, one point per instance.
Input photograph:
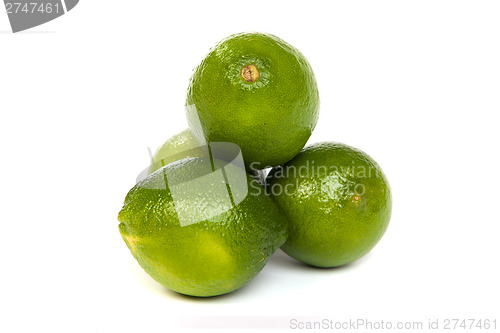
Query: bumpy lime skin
{"points": [[272, 118], [209, 258], [337, 202]]}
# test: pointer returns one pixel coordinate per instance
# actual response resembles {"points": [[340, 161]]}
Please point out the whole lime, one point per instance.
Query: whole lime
{"points": [[179, 146], [337, 201], [194, 226], [184, 145], [257, 91]]}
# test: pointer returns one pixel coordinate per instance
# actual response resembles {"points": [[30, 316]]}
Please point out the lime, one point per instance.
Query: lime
{"points": [[337, 201], [257, 91], [195, 227], [180, 146]]}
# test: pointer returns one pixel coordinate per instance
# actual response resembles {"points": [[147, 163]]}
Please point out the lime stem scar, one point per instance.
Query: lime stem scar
{"points": [[250, 73]]}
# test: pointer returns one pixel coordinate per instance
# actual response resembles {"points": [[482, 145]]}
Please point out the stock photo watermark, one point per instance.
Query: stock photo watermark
{"points": [[221, 180], [331, 324], [364, 324], [25, 15], [336, 180]]}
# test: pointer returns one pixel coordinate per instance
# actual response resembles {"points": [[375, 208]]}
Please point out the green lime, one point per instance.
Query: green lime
{"points": [[198, 227], [337, 201], [180, 146], [183, 145], [257, 91]]}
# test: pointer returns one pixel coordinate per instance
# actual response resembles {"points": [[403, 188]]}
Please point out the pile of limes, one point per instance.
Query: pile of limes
{"points": [[207, 219]]}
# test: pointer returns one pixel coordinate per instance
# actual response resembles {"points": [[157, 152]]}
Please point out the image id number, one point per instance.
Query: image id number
{"points": [[31, 8]]}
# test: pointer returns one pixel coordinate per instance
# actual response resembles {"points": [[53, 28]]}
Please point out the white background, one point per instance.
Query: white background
{"points": [[414, 84]]}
